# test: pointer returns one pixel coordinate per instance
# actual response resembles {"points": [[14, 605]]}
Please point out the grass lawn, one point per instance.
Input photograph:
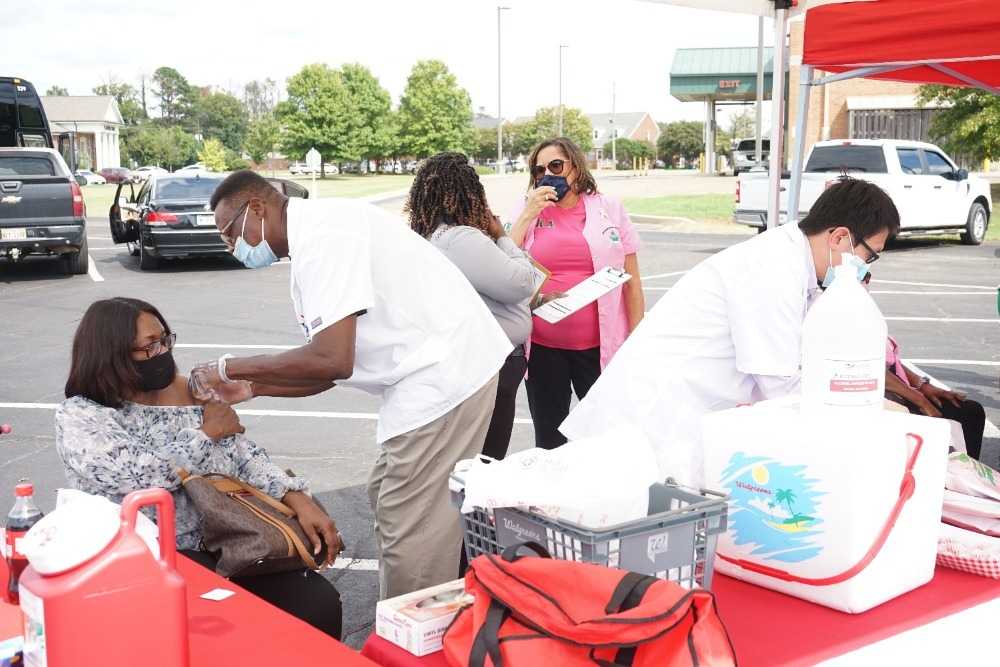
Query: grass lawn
{"points": [[99, 197], [719, 208], [701, 208]]}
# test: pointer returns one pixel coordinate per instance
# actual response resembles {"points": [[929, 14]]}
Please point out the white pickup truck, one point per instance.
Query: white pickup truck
{"points": [[932, 194]]}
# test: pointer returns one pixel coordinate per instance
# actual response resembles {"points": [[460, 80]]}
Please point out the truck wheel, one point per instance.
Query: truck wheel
{"points": [[77, 263], [975, 228], [147, 262]]}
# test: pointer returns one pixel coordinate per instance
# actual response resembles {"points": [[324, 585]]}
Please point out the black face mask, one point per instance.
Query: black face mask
{"points": [[156, 373], [557, 182]]}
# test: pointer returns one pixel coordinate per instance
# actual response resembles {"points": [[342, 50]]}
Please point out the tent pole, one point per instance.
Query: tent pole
{"points": [[801, 122], [758, 154], [777, 153]]}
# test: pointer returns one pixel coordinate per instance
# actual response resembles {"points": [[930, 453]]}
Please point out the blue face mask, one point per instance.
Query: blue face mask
{"points": [[557, 182], [254, 256], [852, 259]]}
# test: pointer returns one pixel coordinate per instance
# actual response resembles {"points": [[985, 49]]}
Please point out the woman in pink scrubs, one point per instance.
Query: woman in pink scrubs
{"points": [[572, 230]]}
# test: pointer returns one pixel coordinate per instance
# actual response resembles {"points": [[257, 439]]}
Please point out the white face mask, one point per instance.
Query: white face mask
{"points": [[846, 258]]}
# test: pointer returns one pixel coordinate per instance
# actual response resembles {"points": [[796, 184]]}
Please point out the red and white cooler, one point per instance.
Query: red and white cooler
{"points": [[841, 508]]}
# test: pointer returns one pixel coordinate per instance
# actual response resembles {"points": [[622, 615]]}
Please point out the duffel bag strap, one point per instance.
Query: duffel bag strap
{"points": [[510, 553], [627, 595], [487, 641], [906, 488]]}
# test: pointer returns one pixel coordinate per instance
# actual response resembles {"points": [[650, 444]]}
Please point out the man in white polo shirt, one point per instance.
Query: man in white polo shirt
{"points": [[382, 310]]}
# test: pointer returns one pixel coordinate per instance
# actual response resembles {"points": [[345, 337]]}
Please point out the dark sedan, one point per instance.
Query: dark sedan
{"points": [[168, 217]]}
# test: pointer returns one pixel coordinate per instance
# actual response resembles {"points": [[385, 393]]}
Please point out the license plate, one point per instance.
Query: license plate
{"points": [[205, 220], [14, 234]]}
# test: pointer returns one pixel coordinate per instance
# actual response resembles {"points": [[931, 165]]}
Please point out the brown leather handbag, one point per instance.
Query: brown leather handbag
{"points": [[248, 531]]}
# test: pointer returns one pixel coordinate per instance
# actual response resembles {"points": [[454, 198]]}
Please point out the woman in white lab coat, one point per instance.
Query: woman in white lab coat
{"points": [[729, 332]]}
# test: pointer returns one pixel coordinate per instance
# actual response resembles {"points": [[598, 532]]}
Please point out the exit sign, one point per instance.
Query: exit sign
{"points": [[729, 83]]}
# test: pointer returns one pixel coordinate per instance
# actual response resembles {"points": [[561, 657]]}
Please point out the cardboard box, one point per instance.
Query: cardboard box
{"points": [[417, 621]]}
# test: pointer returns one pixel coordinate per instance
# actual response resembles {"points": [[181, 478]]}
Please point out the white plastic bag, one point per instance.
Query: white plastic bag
{"points": [[968, 476], [79, 528], [595, 482]]}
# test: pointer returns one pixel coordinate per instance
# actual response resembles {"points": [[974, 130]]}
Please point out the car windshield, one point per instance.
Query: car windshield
{"points": [[869, 159], [186, 189], [26, 166]]}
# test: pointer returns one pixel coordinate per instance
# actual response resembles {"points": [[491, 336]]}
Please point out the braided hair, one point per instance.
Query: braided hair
{"points": [[447, 189]]}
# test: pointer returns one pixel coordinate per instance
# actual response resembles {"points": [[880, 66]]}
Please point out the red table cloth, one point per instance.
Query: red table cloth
{"points": [[769, 629], [240, 630]]}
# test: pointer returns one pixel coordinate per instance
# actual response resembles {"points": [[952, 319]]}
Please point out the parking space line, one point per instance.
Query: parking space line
{"points": [[319, 414], [203, 346], [664, 275], [983, 293], [904, 282], [92, 271], [953, 362], [953, 320], [358, 564]]}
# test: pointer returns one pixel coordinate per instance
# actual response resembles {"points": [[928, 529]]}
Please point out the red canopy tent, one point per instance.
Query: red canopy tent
{"points": [[950, 42]]}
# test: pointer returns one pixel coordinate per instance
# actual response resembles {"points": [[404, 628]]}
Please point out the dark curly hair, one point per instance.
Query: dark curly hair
{"points": [[447, 189]]}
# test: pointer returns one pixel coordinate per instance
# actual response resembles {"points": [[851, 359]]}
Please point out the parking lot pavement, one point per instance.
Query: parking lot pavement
{"points": [[939, 299]]}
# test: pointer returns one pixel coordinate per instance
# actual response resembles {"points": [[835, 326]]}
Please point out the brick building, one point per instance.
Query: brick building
{"points": [[855, 108]]}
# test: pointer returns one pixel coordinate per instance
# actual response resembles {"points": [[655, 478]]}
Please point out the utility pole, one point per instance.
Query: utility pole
{"points": [[561, 47], [614, 131], [499, 113]]}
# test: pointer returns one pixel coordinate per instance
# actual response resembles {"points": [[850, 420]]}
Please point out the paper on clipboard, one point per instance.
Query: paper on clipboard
{"points": [[583, 294]]}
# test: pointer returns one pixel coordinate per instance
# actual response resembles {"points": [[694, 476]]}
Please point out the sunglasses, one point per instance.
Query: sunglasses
{"points": [[555, 167], [158, 347]]}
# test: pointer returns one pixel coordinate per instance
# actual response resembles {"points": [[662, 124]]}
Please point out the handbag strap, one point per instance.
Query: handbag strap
{"points": [[906, 489], [227, 484]]}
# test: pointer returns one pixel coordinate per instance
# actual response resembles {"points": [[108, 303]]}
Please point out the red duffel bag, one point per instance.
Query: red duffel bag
{"points": [[531, 612]]}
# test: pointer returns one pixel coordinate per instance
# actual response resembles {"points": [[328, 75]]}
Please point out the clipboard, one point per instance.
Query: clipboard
{"points": [[541, 275], [582, 295]]}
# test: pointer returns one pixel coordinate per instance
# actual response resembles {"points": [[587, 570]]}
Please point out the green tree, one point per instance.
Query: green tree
{"points": [[213, 155], [743, 124], [486, 142], [315, 114], [127, 98], [369, 105], [627, 149], [174, 93], [57, 91], [435, 113], [260, 97], [545, 125], [681, 139], [262, 138], [968, 123], [786, 496], [149, 144], [220, 116]]}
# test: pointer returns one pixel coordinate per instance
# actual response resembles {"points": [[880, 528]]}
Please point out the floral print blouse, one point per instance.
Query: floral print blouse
{"points": [[112, 452]]}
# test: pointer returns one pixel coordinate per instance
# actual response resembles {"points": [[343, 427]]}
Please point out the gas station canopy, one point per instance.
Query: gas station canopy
{"points": [[730, 74]]}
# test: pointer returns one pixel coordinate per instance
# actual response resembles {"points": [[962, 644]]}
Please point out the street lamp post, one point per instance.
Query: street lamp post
{"points": [[499, 114], [561, 47]]}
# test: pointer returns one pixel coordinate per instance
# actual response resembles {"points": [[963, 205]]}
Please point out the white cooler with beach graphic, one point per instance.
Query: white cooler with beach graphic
{"points": [[840, 509]]}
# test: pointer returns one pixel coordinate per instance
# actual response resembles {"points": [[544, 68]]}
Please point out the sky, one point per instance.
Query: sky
{"points": [[625, 45]]}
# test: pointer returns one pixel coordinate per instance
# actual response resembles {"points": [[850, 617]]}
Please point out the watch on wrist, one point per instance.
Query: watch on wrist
{"points": [[924, 381]]}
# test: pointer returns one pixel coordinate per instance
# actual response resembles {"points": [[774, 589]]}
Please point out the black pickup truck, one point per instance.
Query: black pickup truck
{"points": [[41, 208]]}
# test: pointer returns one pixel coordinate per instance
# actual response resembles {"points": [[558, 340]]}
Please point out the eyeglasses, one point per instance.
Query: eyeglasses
{"points": [[222, 232], [555, 167], [158, 347], [872, 255]]}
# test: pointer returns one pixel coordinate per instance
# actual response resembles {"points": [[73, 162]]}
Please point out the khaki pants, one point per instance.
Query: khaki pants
{"points": [[418, 531]]}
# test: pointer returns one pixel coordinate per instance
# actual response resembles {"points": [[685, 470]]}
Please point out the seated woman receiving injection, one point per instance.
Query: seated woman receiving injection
{"points": [[129, 422]]}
